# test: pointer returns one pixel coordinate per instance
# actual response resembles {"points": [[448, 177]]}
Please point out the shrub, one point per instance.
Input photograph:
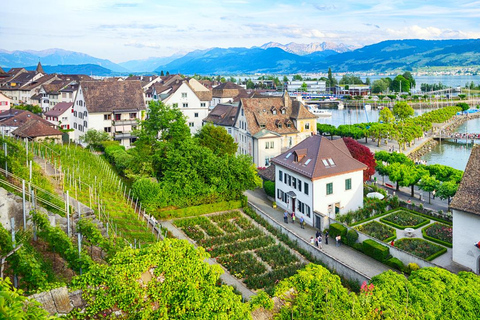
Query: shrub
{"points": [[375, 250], [261, 300], [395, 263], [393, 202], [352, 237], [402, 219], [337, 229], [269, 187], [412, 266], [148, 192], [377, 230], [198, 210], [439, 233], [104, 144], [420, 248]]}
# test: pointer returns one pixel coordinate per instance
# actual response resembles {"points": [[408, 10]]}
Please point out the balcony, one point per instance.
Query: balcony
{"points": [[122, 135], [125, 122]]}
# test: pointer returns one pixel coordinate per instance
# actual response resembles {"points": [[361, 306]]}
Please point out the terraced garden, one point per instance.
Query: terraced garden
{"points": [[244, 250]]}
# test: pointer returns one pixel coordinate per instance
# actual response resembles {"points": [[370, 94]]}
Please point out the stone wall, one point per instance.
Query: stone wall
{"points": [[59, 301]]}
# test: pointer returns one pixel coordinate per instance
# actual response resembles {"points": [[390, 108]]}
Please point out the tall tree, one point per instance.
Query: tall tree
{"points": [[217, 139], [402, 110], [386, 116], [362, 154]]}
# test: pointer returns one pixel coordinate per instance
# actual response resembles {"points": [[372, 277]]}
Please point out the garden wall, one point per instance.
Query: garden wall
{"points": [[330, 262], [403, 256]]}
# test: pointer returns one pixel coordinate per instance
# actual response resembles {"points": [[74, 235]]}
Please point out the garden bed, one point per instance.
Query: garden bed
{"points": [[420, 248], [378, 230], [439, 233], [402, 219], [244, 250]]}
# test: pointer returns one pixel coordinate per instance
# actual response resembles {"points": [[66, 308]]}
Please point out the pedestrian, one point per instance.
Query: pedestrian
{"points": [[433, 194], [316, 242], [337, 240], [392, 243], [293, 217], [312, 241], [285, 217], [326, 237], [317, 234], [302, 222], [320, 241]]}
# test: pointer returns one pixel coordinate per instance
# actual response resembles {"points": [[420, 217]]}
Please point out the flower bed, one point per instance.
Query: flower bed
{"points": [[276, 256], [421, 248], [402, 219], [439, 233], [241, 246], [227, 226], [378, 230], [241, 265]]}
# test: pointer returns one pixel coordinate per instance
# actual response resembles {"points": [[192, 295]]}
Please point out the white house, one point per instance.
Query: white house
{"points": [[4, 102], [110, 106], [61, 115], [466, 215], [311, 86], [226, 92], [318, 179], [190, 96], [268, 126]]}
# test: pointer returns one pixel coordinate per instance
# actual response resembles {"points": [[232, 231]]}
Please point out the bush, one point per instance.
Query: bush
{"points": [[352, 237], [269, 187], [393, 202], [375, 250], [261, 300], [412, 266], [104, 144], [337, 229], [198, 210], [358, 246], [395, 263], [148, 192]]}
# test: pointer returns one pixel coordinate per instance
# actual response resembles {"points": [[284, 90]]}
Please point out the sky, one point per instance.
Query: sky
{"points": [[121, 30]]}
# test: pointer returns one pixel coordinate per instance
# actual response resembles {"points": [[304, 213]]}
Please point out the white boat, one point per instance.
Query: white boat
{"points": [[321, 112], [368, 107]]}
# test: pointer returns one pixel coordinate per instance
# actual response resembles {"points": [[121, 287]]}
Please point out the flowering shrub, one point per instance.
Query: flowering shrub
{"points": [[276, 256], [440, 231], [242, 265], [404, 219], [421, 248], [377, 230]]}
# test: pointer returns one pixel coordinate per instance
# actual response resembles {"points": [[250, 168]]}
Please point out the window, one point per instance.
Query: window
{"points": [[191, 124], [85, 124], [74, 113], [203, 104], [133, 115], [107, 117], [80, 127], [280, 175], [329, 188], [107, 129], [267, 145], [283, 110], [242, 111], [289, 180], [271, 144], [230, 130], [75, 125], [299, 185], [348, 184], [185, 105], [84, 114], [118, 116], [196, 114], [184, 94], [305, 188], [307, 126]]}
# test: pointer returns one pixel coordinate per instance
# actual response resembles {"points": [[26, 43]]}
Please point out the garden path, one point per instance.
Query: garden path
{"points": [[226, 277], [347, 255]]}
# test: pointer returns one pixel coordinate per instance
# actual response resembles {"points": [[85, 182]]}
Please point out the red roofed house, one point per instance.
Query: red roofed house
{"points": [[318, 179], [38, 130], [61, 115], [466, 215], [4, 102]]}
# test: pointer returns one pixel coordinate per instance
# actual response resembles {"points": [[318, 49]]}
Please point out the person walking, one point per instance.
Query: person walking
{"points": [[337, 240], [320, 241], [302, 222], [293, 217], [326, 237], [312, 241], [285, 217], [433, 194], [316, 242]]}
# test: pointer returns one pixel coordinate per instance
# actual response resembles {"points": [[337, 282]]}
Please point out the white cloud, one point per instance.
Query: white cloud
{"points": [[417, 32]]}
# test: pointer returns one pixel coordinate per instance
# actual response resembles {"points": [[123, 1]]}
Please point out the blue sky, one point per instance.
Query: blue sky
{"points": [[122, 30]]}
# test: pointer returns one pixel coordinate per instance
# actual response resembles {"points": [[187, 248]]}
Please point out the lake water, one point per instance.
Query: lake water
{"points": [[449, 153]]}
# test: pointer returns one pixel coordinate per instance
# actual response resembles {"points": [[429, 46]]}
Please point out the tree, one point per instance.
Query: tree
{"points": [[428, 183], [386, 116], [93, 137], [463, 105], [331, 82], [285, 79], [402, 110], [304, 87], [31, 108], [400, 84], [408, 75], [362, 154], [297, 77], [250, 84], [167, 280], [217, 139]]}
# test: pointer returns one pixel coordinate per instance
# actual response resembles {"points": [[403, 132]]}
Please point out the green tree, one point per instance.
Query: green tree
{"points": [[402, 110], [33, 109], [297, 77], [93, 138], [162, 74], [285, 79], [217, 139], [408, 75], [428, 183], [304, 87], [400, 84], [386, 116], [250, 84]]}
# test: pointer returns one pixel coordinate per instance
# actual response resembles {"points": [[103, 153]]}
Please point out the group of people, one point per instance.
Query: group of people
{"points": [[317, 240], [293, 218]]}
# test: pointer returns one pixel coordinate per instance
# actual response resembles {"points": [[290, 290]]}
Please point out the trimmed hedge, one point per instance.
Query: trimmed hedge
{"points": [[337, 229], [421, 224], [198, 210], [352, 237], [395, 263], [443, 243], [269, 187], [435, 255], [375, 250]]}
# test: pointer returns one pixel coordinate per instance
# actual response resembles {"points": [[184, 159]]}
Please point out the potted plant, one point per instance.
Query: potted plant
{"points": [[274, 205]]}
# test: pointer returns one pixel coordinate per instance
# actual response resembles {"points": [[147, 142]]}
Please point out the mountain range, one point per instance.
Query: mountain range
{"points": [[271, 57]]}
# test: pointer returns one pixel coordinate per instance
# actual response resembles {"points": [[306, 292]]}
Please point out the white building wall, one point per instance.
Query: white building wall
{"points": [[466, 232], [266, 149], [348, 200], [243, 138], [79, 118], [299, 192]]}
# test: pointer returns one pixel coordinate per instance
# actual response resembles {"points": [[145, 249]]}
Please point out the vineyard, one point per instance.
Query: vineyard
{"points": [[243, 249]]}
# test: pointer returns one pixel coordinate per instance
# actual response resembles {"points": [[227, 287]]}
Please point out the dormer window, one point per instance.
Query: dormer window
{"points": [[288, 123], [274, 110], [278, 123], [283, 110]]}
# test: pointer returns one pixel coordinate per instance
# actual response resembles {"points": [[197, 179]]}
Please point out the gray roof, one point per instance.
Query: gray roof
{"points": [[467, 198], [59, 109], [223, 115]]}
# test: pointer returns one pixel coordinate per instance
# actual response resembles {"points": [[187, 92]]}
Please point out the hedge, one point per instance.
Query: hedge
{"points": [[269, 187], [421, 224], [437, 254], [337, 229], [375, 250], [395, 263], [198, 210], [352, 237]]}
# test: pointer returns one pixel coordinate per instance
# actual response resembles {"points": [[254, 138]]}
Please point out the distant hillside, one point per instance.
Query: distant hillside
{"points": [[305, 49], [238, 60], [148, 65], [406, 54], [87, 69], [12, 59]]}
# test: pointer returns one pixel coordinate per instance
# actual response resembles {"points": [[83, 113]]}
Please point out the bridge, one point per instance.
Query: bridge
{"points": [[457, 136]]}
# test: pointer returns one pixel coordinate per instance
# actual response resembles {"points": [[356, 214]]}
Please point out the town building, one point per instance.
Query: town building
{"points": [[318, 179], [224, 115], [12, 119], [267, 126], [226, 93], [5, 102], [465, 208], [111, 106], [39, 131], [352, 89], [61, 115], [306, 86]]}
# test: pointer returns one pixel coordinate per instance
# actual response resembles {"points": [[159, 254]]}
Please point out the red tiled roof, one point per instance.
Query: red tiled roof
{"points": [[21, 117], [35, 128], [223, 115], [59, 109]]}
